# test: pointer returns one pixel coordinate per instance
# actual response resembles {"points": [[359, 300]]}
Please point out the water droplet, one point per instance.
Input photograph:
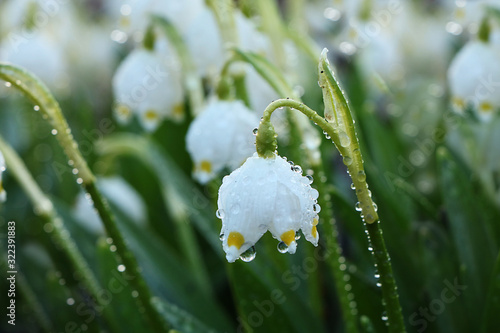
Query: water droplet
{"points": [[112, 248], [121, 268], [135, 294], [352, 186], [327, 136], [248, 255], [220, 213], [376, 276], [384, 317], [8, 84], [255, 131], [291, 163], [36, 108], [369, 193], [282, 247], [109, 240], [317, 208], [70, 301], [369, 218], [358, 206], [347, 160], [361, 176], [344, 139], [379, 284], [375, 207], [54, 131], [297, 169], [297, 235], [221, 237], [235, 209], [79, 181], [310, 178], [75, 172]]}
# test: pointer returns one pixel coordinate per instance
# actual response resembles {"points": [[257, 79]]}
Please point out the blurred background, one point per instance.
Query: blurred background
{"points": [[423, 80]]}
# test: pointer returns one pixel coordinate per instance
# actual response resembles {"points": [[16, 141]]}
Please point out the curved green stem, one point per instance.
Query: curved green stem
{"points": [[45, 209], [366, 205], [41, 96]]}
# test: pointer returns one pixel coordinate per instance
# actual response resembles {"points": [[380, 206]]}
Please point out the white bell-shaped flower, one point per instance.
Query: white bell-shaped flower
{"points": [[221, 136], [266, 194], [474, 76], [149, 84], [3, 195]]}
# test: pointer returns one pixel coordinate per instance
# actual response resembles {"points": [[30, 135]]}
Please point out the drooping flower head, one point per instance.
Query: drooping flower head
{"points": [[221, 136], [473, 77], [266, 194], [3, 195], [148, 83]]}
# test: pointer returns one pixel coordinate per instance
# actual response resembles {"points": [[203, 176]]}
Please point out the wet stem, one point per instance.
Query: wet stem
{"points": [[365, 203], [35, 90]]}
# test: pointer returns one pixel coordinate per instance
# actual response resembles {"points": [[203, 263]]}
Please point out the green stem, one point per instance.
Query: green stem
{"points": [[368, 210], [223, 11], [44, 208], [41, 96]]}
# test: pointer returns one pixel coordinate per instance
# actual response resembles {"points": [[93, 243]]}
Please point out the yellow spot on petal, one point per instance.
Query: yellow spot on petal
{"points": [[315, 221], [205, 166], [485, 107], [458, 102], [151, 115], [125, 21], [288, 237], [178, 111], [314, 232], [235, 239], [122, 111]]}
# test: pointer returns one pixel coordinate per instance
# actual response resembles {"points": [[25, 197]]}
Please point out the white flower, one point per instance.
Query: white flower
{"points": [[3, 195], [221, 136], [49, 64], [266, 194], [473, 77], [148, 83]]}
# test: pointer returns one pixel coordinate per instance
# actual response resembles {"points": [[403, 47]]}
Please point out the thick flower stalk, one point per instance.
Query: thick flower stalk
{"points": [[221, 136]]}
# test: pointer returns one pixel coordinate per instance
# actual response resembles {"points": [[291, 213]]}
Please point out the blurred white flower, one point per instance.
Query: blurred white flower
{"points": [[3, 194], [39, 54], [148, 83], [134, 15], [474, 79], [120, 194], [221, 136], [266, 194]]}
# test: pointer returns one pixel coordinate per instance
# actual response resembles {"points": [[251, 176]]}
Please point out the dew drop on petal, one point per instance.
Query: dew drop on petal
{"points": [[248, 255], [352, 186], [316, 208], [282, 247], [221, 237], [310, 178], [255, 131], [220, 213], [54, 131], [36, 108], [347, 160], [297, 169], [297, 235]]}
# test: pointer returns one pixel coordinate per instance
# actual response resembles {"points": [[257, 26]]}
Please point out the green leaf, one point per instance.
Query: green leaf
{"points": [[491, 319]]}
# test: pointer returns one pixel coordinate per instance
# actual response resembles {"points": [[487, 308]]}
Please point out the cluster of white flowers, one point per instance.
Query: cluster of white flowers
{"points": [[266, 194]]}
